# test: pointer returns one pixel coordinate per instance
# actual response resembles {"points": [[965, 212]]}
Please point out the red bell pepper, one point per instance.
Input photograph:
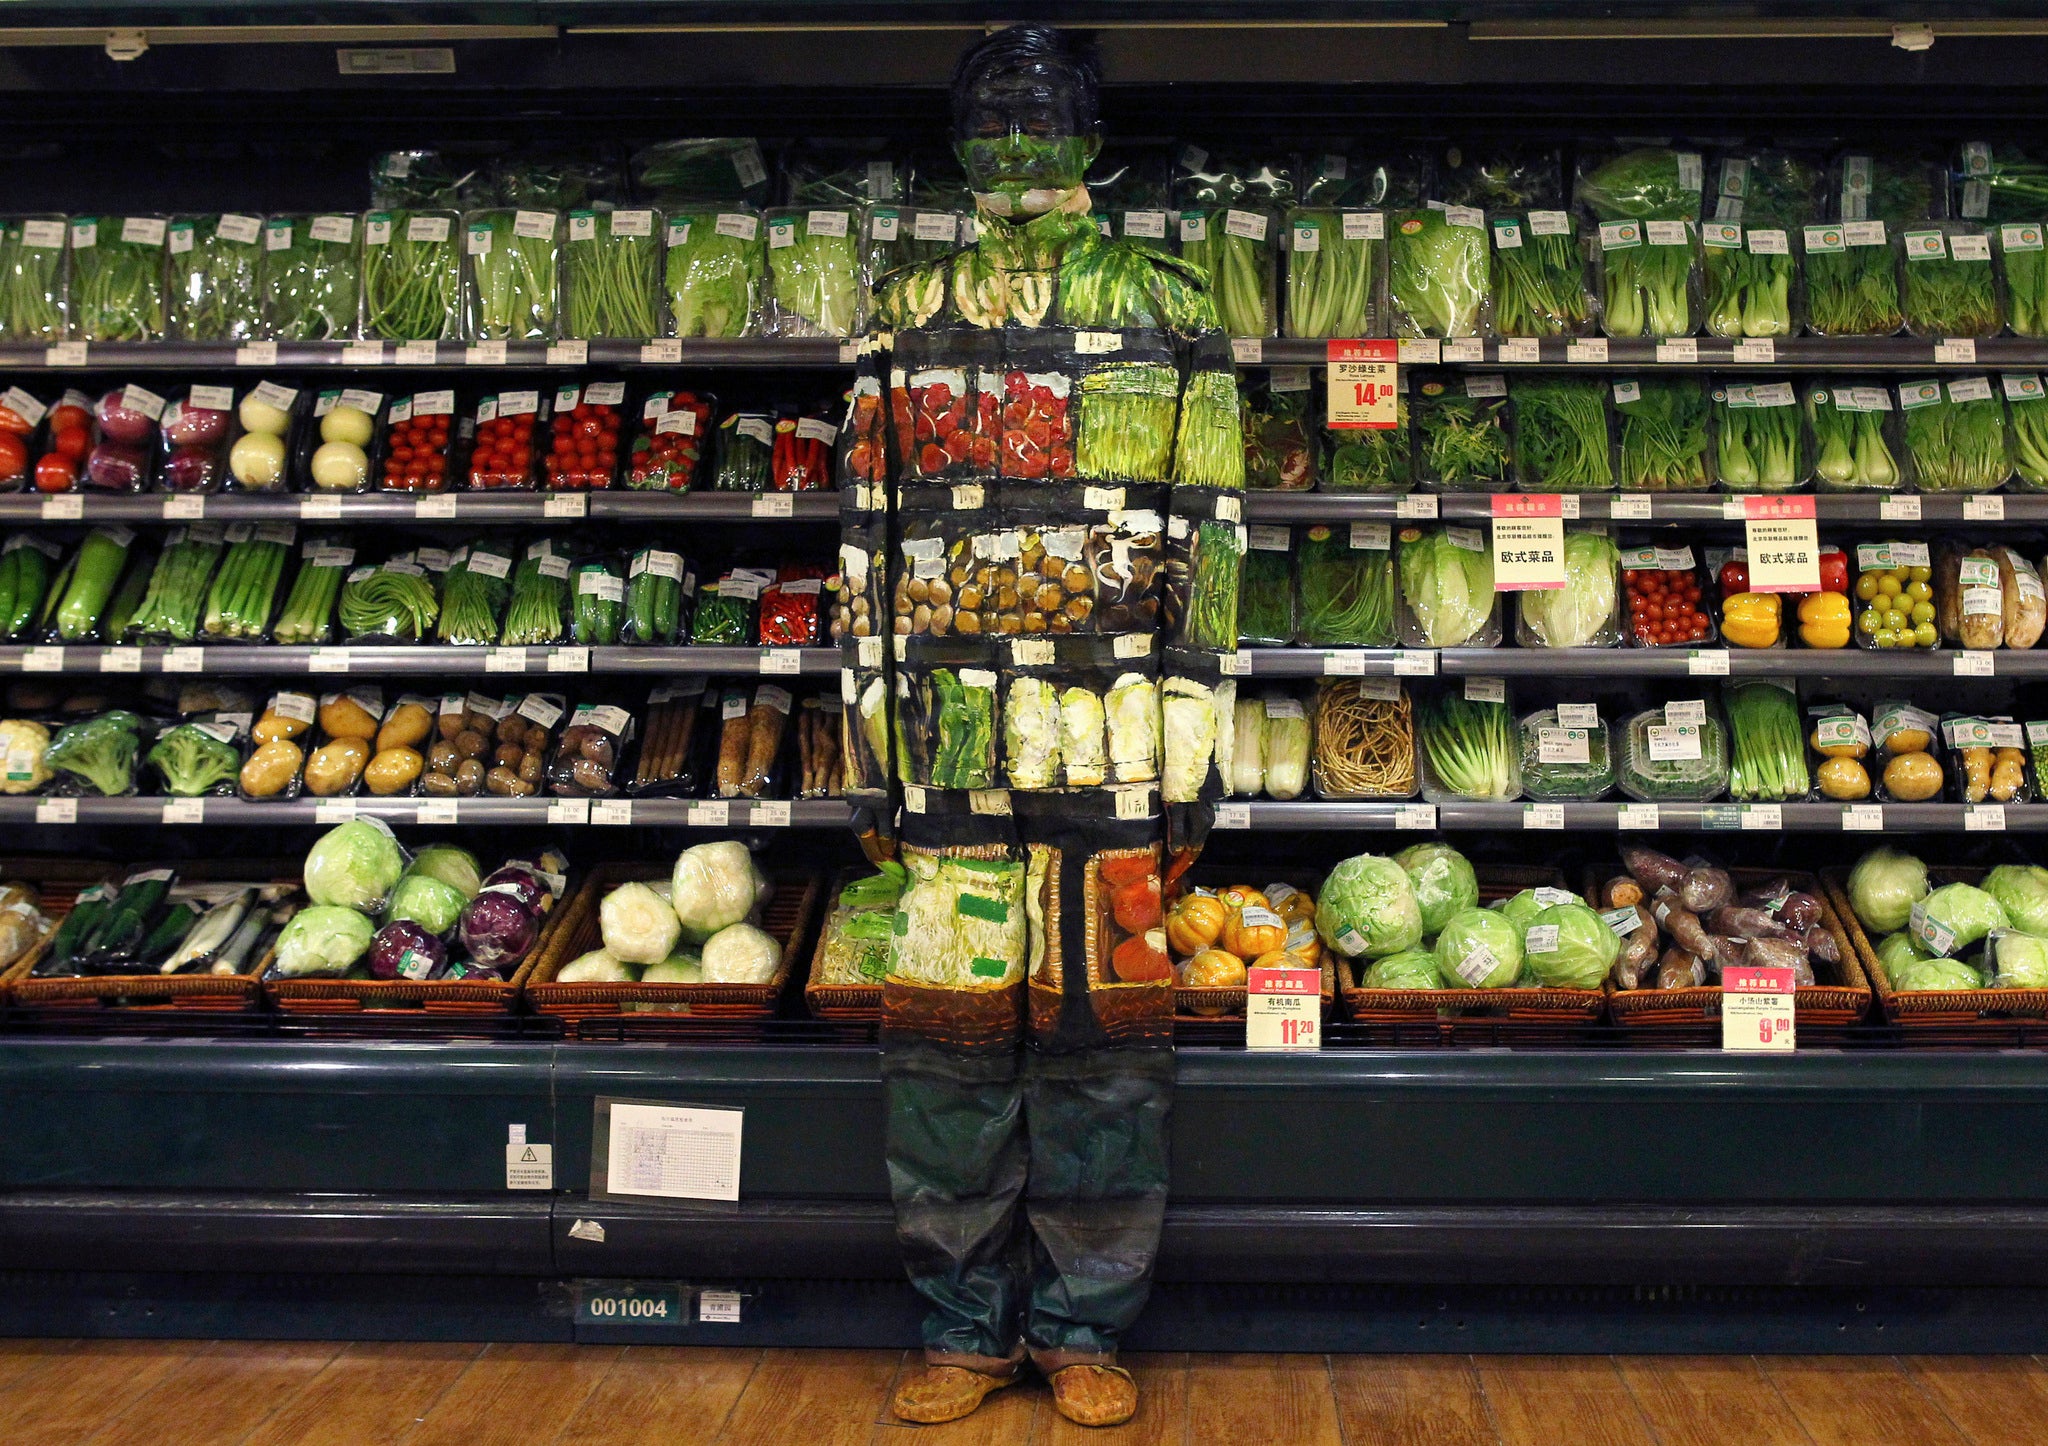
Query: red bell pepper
{"points": [[1734, 577]]}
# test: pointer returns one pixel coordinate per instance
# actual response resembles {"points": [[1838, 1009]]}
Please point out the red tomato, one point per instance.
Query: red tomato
{"points": [[13, 455], [1136, 905], [55, 473], [71, 442]]}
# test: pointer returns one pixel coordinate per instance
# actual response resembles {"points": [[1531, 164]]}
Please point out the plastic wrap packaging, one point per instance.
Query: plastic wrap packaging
{"points": [[307, 617], [412, 276], [814, 274], [176, 596], [1895, 595], [1675, 754], [1665, 434], [1767, 744], [1265, 598], [126, 438], [245, 590], [35, 301], [312, 277], [1646, 203], [1279, 433], [1954, 434], [1969, 595], [421, 437], [724, 614], [1203, 557], [611, 275], [722, 168], [66, 439], [199, 756], [790, 612], [1856, 439], [333, 455], [1759, 444], [800, 459], [193, 433], [1345, 592], [539, 607], [1446, 586], [216, 277], [86, 587], [1564, 439], [28, 565], [266, 418], [746, 449], [1437, 277], [1462, 437], [1584, 613], [394, 601], [424, 177], [523, 737], [97, 756], [1542, 281], [669, 449], [752, 725], [398, 763], [590, 756], [475, 592], [600, 599], [658, 588], [1839, 752], [1950, 287], [714, 272], [1567, 753], [1237, 249], [1760, 204], [1666, 598], [512, 259], [1377, 460], [1336, 267], [669, 764], [512, 428], [583, 436], [2023, 275], [282, 735], [1989, 757], [2026, 427], [118, 278], [1364, 731], [1468, 744], [459, 754], [1908, 744], [1209, 445]]}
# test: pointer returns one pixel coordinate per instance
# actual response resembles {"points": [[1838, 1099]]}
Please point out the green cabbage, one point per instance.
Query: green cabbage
{"points": [[596, 967], [1884, 886], [1522, 909], [1368, 908], [1965, 911], [322, 940], [1584, 950], [1479, 949], [455, 867], [1896, 951], [2020, 960], [1572, 616], [1443, 881], [1936, 974], [2022, 891], [1449, 588], [1409, 969], [429, 902], [354, 866]]}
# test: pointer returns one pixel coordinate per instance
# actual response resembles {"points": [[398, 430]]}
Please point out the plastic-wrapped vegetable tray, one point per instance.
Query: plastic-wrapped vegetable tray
{"points": [[1972, 1013], [356, 1002], [838, 1001], [1504, 1014], [653, 1011], [1823, 1012], [60, 882]]}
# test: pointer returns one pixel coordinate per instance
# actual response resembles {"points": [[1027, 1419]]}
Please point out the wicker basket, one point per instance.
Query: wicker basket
{"points": [[787, 917], [1819, 1009], [62, 880], [1503, 1009], [413, 996], [839, 1001], [1989, 1012], [1200, 1005]]}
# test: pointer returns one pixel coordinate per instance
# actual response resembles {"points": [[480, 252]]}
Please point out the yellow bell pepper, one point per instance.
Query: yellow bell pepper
{"points": [[1752, 619], [1824, 620]]}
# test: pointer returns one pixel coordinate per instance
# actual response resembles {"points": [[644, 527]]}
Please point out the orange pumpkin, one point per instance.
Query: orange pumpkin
{"points": [[1290, 903], [1281, 959], [1252, 931], [1194, 923], [1214, 969], [1238, 896]]}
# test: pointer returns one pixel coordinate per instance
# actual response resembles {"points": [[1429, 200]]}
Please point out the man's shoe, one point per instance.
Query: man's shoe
{"points": [[944, 1393], [1095, 1395]]}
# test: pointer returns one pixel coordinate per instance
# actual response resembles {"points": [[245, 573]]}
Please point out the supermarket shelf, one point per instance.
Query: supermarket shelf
{"points": [[420, 662], [232, 812], [1509, 662], [1864, 353], [1906, 510], [1322, 814], [529, 507], [188, 356]]}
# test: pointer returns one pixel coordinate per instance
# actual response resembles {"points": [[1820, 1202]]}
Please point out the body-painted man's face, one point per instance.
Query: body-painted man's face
{"points": [[1022, 141]]}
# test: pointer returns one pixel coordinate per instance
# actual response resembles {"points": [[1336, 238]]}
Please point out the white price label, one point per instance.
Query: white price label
{"points": [[1678, 350], [614, 812], [773, 504], [1419, 352], [68, 507], [120, 660], [43, 660], [1863, 818], [1757, 1010], [320, 508], [441, 506], [1768, 817], [1415, 663], [569, 660], [1974, 663], [417, 353], [569, 354], [256, 354], [1707, 662], [707, 814], [1756, 349], [1344, 662], [1984, 509], [1543, 815], [437, 810], [1637, 816], [184, 810], [1962, 351], [66, 354], [57, 810], [1465, 349], [566, 504], [657, 353], [363, 354], [1984, 818], [782, 661], [1898, 508], [328, 660], [1520, 350], [1416, 506], [1591, 351], [505, 660], [1246, 351], [770, 814], [1415, 815], [1233, 815], [334, 810], [569, 810], [184, 660]]}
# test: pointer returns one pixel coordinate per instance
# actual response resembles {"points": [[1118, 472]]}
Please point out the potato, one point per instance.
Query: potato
{"points": [[273, 726], [334, 767], [449, 724], [1912, 777], [344, 717], [407, 727], [270, 770], [393, 770], [470, 743]]}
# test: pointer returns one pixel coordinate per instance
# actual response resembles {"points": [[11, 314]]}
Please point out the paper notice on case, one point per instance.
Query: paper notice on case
{"points": [[674, 1152], [1362, 389], [529, 1167]]}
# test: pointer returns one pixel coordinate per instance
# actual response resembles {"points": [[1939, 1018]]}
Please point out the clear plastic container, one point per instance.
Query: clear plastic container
{"points": [[1674, 760], [1468, 744], [1573, 759], [1445, 581], [1586, 611]]}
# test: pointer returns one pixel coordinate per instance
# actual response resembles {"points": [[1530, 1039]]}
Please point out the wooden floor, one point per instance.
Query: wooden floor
{"points": [[232, 1393]]}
